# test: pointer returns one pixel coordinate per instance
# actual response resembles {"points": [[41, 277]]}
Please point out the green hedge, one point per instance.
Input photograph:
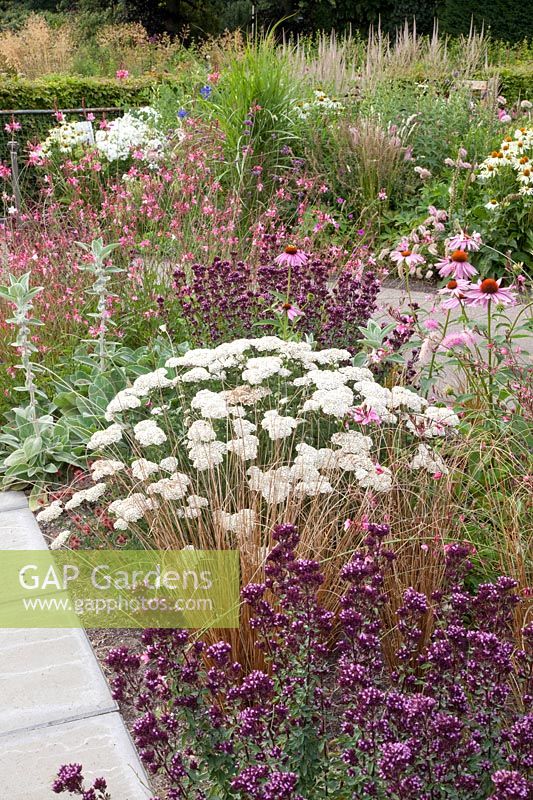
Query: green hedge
{"points": [[508, 20], [71, 92], [516, 82], [68, 92]]}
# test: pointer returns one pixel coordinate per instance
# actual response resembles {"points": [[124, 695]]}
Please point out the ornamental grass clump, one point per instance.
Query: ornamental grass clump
{"points": [[223, 443], [327, 716]]}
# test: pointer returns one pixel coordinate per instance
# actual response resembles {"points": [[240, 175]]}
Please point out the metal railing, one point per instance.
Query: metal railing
{"points": [[39, 122]]}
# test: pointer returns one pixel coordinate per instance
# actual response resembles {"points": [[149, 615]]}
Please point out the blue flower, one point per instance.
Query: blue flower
{"points": [[182, 113], [205, 91]]}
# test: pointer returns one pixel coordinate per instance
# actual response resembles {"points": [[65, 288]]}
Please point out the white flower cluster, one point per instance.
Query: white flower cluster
{"points": [[131, 509], [147, 432], [428, 459], [516, 154], [90, 495], [67, 137], [277, 424], [134, 131], [320, 104]]}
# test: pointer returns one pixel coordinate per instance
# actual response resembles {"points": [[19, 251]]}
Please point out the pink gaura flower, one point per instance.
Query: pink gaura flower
{"points": [[365, 416], [490, 291], [454, 292], [213, 77], [122, 74], [291, 257], [431, 325], [456, 265], [12, 127], [464, 338], [471, 242]]}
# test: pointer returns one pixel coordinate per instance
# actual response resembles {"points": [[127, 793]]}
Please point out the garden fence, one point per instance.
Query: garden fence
{"points": [[35, 126]]}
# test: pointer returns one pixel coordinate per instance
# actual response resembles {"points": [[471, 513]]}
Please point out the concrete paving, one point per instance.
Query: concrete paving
{"points": [[55, 705], [399, 298]]}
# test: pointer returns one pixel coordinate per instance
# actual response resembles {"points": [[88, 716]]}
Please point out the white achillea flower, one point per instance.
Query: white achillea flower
{"points": [[206, 455], [377, 398], [379, 479], [268, 344], [121, 524], [90, 495], [108, 436], [334, 403], [278, 427], [196, 501], [51, 512], [200, 357], [188, 513], [173, 488], [242, 522], [359, 463], [61, 539], [323, 458], [274, 485], [123, 401], [141, 468], [352, 442], [245, 396], [195, 375], [169, 464], [435, 421], [357, 373], [145, 384], [201, 431], [326, 390], [94, 493], [242, 427], [132, 508], [158, 410], [406, 397], [149, 433], [105, 467], [311, 487], [326, 378], [261, 368], [331, 356], [211, 405], [245, 447], [304, 471], [428, 459]]}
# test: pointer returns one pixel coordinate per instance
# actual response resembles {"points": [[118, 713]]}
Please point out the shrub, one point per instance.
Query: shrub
{"points": [[329, 717], [305, 296], [516, 82]]}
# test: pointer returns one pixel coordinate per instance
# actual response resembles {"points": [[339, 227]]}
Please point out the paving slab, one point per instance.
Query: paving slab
{"points": [[12, 500], [29, 760], [55, 705], [48, 676], [20, 531]]}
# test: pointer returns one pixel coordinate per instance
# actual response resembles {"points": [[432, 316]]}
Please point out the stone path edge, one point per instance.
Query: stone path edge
{"points": [[96, 736]]}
